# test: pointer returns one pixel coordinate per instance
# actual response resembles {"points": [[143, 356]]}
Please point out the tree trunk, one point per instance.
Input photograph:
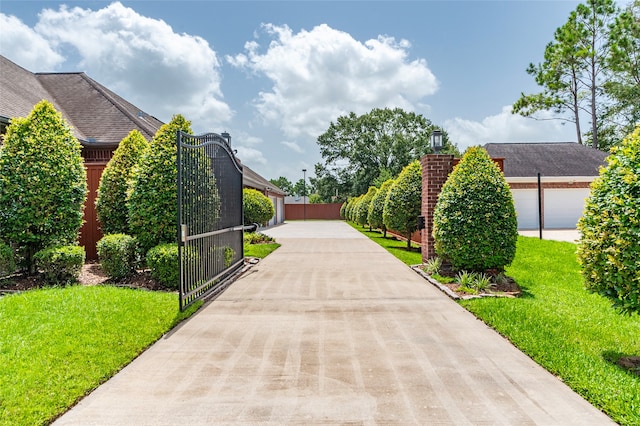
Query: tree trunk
{"points": [[409, 241]]}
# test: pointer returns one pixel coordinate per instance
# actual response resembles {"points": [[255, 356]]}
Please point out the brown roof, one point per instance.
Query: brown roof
{"points": [[253, 180], [96, 114], [548, 159]]}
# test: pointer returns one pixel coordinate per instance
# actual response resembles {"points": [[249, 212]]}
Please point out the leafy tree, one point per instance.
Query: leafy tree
{"points": [[362, 215], [403, 204], [376, 207], [315, 199], [330, 187], [257, 208], [623, 86], [608, 250], [153, 200], [357, 149], [474, 221], [574, 68], [284, 184], [111, 203], [42, 183], [303, 189]]}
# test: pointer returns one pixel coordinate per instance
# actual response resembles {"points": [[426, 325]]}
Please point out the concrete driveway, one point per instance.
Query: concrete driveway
{"points": [[331, 329]]}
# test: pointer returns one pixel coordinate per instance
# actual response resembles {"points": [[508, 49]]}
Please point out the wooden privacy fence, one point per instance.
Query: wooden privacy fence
{"points": [[330, 211]]}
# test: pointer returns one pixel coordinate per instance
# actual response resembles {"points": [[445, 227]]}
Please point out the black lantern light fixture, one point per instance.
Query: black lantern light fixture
{"points": [[436, 141]]}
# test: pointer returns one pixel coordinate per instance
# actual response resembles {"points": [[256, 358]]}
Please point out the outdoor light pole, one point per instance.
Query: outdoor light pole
{"points": [[304, 193], [436, 141]]}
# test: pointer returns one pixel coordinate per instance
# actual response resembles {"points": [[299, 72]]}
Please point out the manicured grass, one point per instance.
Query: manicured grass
{"points": [[58, 344], [259, 250], [395, 247], [572, 333]]}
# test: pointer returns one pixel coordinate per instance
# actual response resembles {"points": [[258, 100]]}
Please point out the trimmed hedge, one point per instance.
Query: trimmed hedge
{"points": [[43, 183], [403, 204], [111, 205], [60, 265], [376, 207], [163, 262], [153, 201], [118, 255], [609, 247], [362, 213], [474, 221], [257, 207]]}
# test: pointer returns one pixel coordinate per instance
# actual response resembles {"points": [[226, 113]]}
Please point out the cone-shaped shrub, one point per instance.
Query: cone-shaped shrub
{"points": [[42, 183], [474, 222], [404, 201], [609, 246], [257, 208], [111, 203], [153, 198], [376, 207], [362, 215]]}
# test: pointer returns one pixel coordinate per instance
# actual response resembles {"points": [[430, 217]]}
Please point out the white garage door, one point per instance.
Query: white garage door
{"points": [[563, 207], [526, 203]]}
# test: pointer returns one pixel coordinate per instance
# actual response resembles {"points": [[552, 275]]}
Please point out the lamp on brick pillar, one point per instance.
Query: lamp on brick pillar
{"points": [[435, 171], [436, 141]]}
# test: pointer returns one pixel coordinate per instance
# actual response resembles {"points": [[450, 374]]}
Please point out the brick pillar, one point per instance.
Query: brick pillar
{"points": [[435, 170]]}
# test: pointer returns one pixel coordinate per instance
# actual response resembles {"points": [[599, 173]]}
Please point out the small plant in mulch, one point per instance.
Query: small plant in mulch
{"points": [[489, 282]]}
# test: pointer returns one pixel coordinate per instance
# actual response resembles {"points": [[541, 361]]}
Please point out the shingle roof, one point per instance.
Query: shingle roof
{"points": [[548, 159], [254, 180], [96, 114]]}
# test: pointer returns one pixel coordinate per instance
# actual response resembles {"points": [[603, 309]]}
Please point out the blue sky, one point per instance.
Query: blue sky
{"points": [[274, 74]]}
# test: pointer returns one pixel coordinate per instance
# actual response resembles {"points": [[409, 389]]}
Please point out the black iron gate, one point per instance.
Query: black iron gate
{"points": [[210, 247]]}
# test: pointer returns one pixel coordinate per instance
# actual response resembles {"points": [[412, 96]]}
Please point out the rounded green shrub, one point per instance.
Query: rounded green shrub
{"points": [[474, 221], [42, 183], [111, 205], [7, 260], [609, 246], [362, 214], [343, 207], [403, 204], [257, 207], [60, 265], [376, 207], [163, 262], [118, 255], [153, 200]]}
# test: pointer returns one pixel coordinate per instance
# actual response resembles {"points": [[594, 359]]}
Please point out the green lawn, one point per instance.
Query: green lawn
{"points": [[572, 333], [259, 250], [58, 344], [395, 247]]}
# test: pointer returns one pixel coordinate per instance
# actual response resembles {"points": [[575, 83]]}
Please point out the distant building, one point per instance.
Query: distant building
{"points": [[566, 172]]}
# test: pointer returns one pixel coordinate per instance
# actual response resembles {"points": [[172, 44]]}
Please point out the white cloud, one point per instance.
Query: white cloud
{"points": [[26, 47], [250, 156], [321, 74], [506, 127], [293, 146], [143, 60]]}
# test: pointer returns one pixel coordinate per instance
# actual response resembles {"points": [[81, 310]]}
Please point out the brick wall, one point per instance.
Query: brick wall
{"points": [[435, 170]]}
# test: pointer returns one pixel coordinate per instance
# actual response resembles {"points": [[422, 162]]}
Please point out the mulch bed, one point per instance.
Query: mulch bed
{"points": [[507, 287], [91, 274]]}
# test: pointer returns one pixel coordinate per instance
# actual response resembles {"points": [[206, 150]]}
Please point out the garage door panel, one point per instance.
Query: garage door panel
{"points": [[526, 204], [563, 207]]}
